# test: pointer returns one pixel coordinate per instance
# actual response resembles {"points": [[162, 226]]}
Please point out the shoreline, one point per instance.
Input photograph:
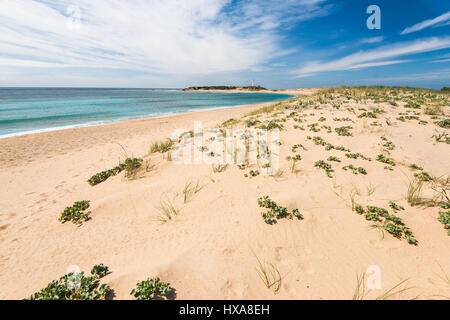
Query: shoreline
{"points": [[108, 122], [22, 149]]}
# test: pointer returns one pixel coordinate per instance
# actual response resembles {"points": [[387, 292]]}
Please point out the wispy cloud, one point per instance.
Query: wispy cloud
{"points": [[428, 23], [376, 57], [435, 75], [372, 40], [157, 36], [440, 61]]}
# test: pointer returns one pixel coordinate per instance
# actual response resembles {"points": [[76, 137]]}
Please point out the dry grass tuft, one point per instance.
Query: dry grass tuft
{"points": [[269, 274]]}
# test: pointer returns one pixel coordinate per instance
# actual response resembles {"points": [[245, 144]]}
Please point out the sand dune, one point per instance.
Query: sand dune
{"points": [[210, 250]]}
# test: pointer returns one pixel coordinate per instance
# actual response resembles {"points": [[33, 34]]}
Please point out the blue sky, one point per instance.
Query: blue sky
{"points": [[277, 43]]}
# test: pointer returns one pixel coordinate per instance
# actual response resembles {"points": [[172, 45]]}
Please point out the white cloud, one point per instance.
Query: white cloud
{"points": [[436, 75], [440, 61], [376, 57], [428, 23], [160, 36], [372, 40]]}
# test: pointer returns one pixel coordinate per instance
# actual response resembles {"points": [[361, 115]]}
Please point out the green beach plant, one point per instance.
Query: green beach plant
{"points": [[151, 289], [444, 218], [167, 210], [325, 166], [276, 212], [76, 286], [76, 213]]}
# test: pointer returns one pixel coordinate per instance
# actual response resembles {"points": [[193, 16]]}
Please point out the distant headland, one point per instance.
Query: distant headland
{"points": [[248, 88]]}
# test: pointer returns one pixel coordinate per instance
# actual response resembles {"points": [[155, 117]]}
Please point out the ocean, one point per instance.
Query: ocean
{"points": [[31, 110]]}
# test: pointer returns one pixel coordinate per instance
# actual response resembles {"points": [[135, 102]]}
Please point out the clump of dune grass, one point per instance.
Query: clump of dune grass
{"points": [[277, 174], [167, 210], [131, 166], [229, 123], [269, 275], [370, 189], [441, 137], [217, 168], [414, 189], [162, 146], [265, 109], [189, 190], [360, 290], [434, 110], [393, 292]]}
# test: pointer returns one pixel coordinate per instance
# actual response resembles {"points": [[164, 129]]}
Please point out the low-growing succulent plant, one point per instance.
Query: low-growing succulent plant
{"points": [[102, 176], [392, 224], [355, 170], [423, 176], [276, 212], [395, 206], [74, 286], [444, 218], [272, 125], [368, 114], [372, 216], [151, 289], [76, 213], [252, 173], [393, 229], [412, 105], [333, 158], [444, 123], [383, 159], [130, 165], [325, 166], [415, 166], [356, 156], [344, 131], [99, 270], [359, 209], [389, 145], [296, 146]]}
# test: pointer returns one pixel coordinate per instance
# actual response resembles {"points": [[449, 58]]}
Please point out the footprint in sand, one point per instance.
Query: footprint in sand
{"points": [[235, 290], [4, 227]]}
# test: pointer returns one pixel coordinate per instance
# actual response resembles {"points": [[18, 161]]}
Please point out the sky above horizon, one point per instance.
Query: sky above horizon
{"points": [[174, 44]]}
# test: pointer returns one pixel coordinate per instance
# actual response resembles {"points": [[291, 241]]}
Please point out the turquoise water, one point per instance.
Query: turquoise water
{"points": [[30, 110]]}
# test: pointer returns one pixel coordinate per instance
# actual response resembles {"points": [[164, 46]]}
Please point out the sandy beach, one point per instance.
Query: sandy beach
{"points": [[215, 244]]}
